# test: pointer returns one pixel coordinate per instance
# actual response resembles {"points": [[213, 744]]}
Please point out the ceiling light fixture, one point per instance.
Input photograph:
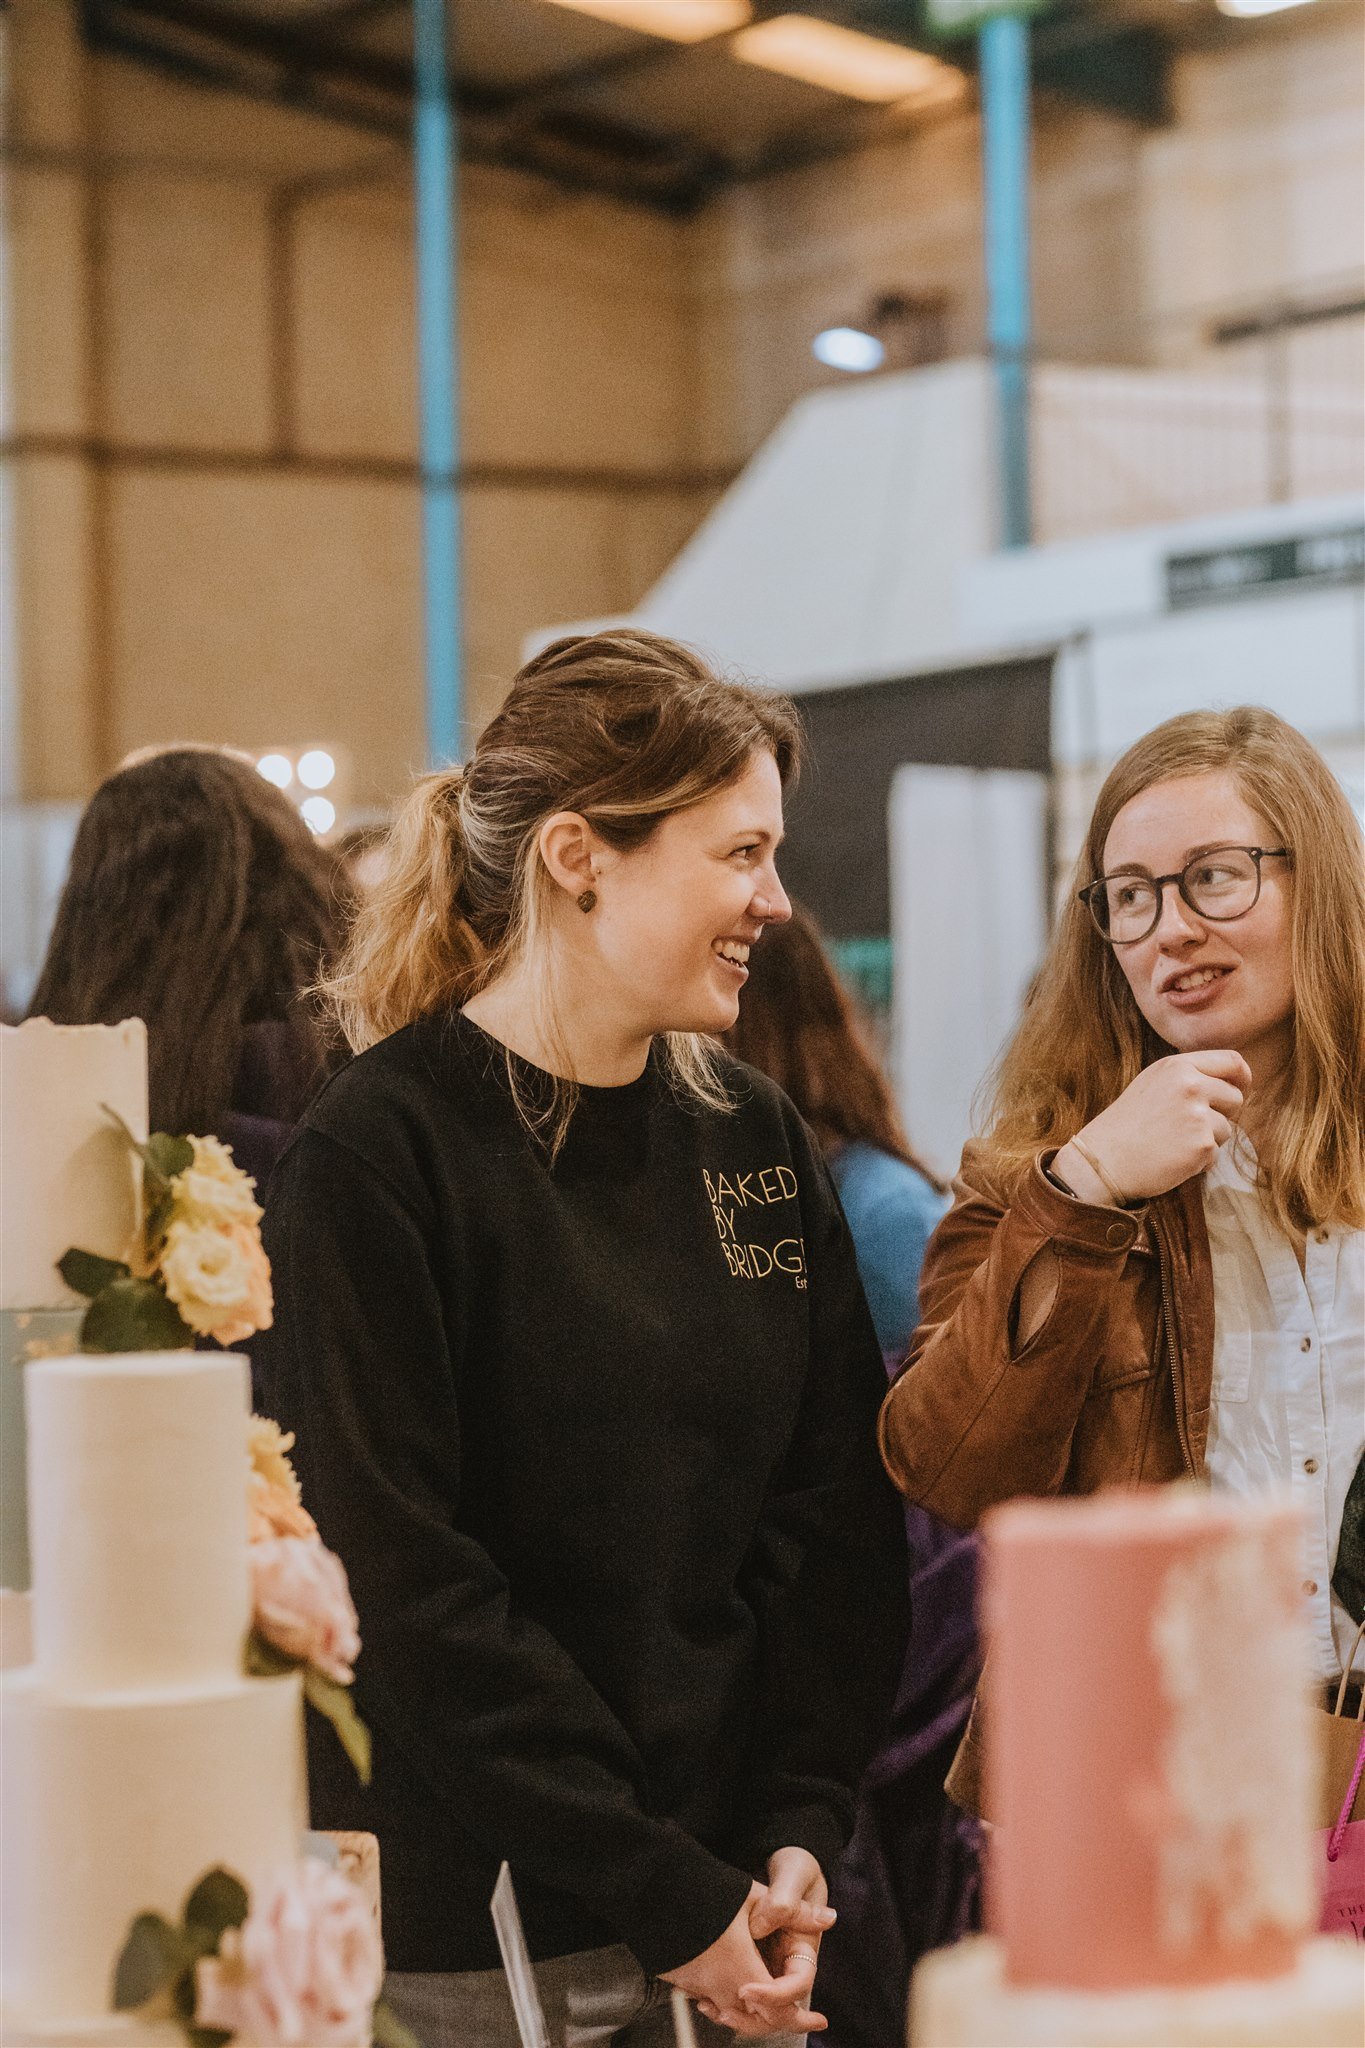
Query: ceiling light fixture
{"points": [[849, 348], [1248, 10], [842, 60], [680, 21], [900, 329]]}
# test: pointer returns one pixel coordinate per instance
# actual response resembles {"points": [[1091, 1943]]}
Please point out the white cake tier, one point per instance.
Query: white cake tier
{"points": [[124, 2030], [69, 1176], [137, 1472], [960, 1999], [117, 1807]]}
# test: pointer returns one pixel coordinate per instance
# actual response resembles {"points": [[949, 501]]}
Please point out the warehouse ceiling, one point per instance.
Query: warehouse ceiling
{"points": [[557, 88]]}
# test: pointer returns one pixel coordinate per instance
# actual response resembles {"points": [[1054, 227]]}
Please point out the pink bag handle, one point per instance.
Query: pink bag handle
{"points": [[1334, 1840]]}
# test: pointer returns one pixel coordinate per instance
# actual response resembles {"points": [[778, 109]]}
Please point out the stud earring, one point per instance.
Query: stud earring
{"points": [[587, 901]]}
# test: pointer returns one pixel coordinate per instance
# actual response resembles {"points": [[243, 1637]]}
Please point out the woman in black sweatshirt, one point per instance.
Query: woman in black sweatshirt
{"points": [[569, 1325]]}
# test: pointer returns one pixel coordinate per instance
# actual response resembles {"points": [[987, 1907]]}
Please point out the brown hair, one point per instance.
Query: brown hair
{"points": [[1082, 1038], [622, 727], [198, 900], [799, 1025]]}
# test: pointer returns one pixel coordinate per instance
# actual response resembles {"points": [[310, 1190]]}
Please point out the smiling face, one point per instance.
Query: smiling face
{"points": [[1201, 984], [677, 916]]}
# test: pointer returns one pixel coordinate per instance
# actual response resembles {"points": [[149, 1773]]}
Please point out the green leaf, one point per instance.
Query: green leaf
{"points": [[162, 1155], [263, 1660], [88, 1273], [168, 1156], [134, 1142], [207, 2037], [134, 1315], [389, 2031], [153, 1956], [159, 1213], [127, 1131], [218, 1901], [336, 1703]]}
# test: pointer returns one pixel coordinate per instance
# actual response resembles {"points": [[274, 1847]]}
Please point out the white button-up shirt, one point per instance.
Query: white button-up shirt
{"points": [[1288, 1404]]}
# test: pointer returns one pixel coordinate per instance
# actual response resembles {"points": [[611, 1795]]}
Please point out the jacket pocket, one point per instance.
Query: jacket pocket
{"points": [[1122, 1369]]}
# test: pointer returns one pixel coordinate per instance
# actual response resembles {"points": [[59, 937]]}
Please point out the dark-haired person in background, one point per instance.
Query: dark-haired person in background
{"points": [[909, 1879], [798, 1025], [198, 900]]}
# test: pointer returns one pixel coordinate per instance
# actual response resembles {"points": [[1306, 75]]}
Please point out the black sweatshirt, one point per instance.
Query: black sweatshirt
{"points": [[597, 1446]]}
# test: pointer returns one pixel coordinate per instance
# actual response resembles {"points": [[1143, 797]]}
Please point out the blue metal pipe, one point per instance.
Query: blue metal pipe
{"points": [[434, 161], [1005, 129]]}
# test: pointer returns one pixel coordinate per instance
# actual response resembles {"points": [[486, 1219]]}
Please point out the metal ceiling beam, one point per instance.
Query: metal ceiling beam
{"points": [[216, 46], [309, 64]]}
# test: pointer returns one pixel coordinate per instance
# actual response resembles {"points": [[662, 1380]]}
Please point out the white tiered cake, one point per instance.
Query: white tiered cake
{"points": [[1150, 1879], [136, 1755], [68, 1178]]}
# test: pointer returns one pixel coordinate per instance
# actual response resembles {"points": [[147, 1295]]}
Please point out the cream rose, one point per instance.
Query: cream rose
{"points": [[302, 1603], [274, 1498], [306, 1965], [213, 1189], [273, 1512], [218, 1279], [268, 1447]]}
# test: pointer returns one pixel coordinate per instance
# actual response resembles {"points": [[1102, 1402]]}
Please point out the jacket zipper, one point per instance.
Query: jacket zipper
{"points": [[1172, 1345]]}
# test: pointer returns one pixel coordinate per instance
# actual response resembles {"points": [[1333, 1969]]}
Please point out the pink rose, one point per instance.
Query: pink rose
{"points": [[303, 1604], [305, 1966]]}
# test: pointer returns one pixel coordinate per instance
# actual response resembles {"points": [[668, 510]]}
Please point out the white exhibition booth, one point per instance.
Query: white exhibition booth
{"points": [[855, 554]]}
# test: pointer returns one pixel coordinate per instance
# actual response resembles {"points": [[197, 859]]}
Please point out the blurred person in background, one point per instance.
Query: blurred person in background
{"points": [[360, 857], [798, 1025], [198, 900], [569, 1326], [1154, 1265], [909, 1879]]}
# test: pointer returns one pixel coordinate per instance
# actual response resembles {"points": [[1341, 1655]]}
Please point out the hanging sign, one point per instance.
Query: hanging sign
{"points": [[1336, 555]]}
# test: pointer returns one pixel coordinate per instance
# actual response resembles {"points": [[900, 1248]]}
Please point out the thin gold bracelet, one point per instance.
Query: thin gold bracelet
{"points": [[1079, 1145]]}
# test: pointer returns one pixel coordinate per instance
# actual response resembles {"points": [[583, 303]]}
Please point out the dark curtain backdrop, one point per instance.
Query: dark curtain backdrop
{"points": [[836, 858]]}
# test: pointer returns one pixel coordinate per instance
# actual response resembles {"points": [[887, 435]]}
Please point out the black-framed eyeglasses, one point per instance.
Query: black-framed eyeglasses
{"points": [[1220, 884]]}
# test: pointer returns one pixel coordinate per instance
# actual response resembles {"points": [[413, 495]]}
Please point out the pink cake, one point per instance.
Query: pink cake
{"points": [[1151, 1774]]}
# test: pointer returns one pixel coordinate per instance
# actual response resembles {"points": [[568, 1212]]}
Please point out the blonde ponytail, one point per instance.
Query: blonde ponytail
{"points": [[411, 950]]}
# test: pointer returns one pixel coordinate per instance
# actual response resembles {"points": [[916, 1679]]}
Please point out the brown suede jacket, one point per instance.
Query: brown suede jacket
{"points": [[1113, 1389]]}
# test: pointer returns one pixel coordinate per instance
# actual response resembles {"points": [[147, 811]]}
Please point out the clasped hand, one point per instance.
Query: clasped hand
{"points": [[759, 1976]]}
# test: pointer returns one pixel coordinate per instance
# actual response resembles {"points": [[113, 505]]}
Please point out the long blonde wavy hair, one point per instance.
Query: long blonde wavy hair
{"points": [[624, 728], [1082, 1038]]}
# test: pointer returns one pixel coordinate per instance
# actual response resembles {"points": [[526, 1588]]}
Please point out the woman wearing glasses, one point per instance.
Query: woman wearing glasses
{"points": [[1154, 1266]]}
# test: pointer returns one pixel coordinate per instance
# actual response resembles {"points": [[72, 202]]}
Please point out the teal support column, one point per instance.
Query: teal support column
{"points": [[1005, 126], [434, 170]]}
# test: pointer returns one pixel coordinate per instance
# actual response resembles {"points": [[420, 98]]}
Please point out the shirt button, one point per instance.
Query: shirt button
{"points": [[1305, 1344], [1310, 1587], [1310, 1464], [1324, 1236]]}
